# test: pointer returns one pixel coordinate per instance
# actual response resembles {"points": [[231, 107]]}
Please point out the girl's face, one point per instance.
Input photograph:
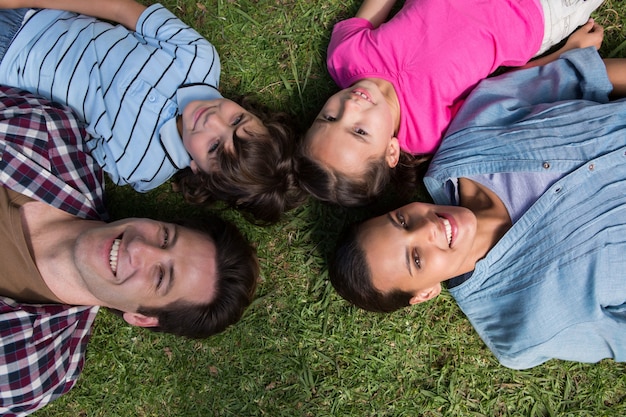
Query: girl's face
{"points": [[418, 246], [355, 126], [210, 127]]}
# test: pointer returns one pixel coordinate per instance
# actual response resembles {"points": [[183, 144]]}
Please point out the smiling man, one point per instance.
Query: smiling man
{"points": [[61, 261]]}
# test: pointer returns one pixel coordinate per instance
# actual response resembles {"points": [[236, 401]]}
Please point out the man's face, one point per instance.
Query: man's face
{"points": [[209, 128], [141, 262], [418, 246], [355, 126]]}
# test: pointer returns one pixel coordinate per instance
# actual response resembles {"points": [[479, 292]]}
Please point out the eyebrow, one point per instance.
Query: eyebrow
{"points": [[170, 282], [407, 253]]}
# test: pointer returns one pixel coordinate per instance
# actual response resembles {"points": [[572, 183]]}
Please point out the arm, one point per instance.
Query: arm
{"points": [[125, 12], [590, 34], [376, 11], [35, 350], [616, 70]]}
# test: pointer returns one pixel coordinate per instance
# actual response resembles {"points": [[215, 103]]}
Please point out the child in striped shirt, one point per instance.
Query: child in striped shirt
{"points": [[147, 89]]}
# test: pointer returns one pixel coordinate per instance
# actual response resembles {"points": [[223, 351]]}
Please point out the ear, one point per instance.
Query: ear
{"points": [[194, 167], [426, 294], [393, 152], [140, 320]]}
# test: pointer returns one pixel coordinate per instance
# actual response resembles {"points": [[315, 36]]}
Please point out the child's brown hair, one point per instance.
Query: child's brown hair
{"points": [[258, 177]]}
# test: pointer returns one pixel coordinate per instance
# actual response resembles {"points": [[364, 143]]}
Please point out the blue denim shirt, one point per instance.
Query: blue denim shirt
{"points": [[553, 286]]}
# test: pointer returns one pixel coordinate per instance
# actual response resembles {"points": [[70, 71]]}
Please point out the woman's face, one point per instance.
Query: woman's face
{"points": [[418, 246], [210, 127]]}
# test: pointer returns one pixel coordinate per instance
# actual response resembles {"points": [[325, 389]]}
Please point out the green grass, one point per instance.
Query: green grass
{"points": [[300, 350]]}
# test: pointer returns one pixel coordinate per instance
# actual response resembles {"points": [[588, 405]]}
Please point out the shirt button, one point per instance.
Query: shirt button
{"points": [[151, 98], [546, 165], [591, 167]]}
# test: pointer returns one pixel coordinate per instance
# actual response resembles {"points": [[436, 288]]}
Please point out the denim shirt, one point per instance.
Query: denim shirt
{"points": [[553, 286]]}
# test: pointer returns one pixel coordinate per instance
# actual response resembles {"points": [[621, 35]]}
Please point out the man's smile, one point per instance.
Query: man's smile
{"points": [[114, 254]]}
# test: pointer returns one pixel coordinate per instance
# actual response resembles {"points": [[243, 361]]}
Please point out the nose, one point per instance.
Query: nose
{"points": [[218, 120], [427, 229], [142, 254], [351, 104], [220, 127]]}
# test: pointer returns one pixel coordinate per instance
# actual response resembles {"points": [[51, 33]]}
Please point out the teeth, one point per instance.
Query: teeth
{"points": [[358, 93], [113, 255], [446, 224]]}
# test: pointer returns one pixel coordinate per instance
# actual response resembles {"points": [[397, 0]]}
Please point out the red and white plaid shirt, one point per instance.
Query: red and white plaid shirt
{"points": [[42, 155]]}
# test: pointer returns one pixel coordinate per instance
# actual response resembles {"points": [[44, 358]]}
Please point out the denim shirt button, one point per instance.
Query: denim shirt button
{"points": [[546, 165], [591, 167]]}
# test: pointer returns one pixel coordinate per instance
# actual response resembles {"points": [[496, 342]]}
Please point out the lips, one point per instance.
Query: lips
{"points": [[198, 115], [448, 227], [115, 248], [359, 92]]}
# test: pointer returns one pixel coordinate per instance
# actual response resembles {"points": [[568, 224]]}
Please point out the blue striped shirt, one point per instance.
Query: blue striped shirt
{"points": [[123, 84]]}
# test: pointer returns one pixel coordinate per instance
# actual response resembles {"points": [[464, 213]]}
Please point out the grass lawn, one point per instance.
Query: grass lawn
{"points": [[300, 350]]}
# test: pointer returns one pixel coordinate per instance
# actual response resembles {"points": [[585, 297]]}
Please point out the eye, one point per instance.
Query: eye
{"points": [[161, 275], [237, 120], [401, 220], [359, 131], [329, 118], [214, 146], [166, 238], [416, 259]]}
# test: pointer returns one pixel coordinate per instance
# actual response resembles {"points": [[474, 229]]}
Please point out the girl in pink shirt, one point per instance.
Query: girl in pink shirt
{"points": [[404, 80]]}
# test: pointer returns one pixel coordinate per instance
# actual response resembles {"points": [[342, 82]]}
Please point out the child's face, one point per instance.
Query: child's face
{"points": [[418, 246], [354, 127], [210, 127]]}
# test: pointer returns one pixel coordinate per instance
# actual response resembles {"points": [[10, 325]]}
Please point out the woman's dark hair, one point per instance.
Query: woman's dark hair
{"points": [[348, 191], [236, 279], [350, 275], [258, 177]]}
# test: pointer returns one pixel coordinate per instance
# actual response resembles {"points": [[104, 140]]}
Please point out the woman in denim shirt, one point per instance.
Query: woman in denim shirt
{"points": [[529, 230]]}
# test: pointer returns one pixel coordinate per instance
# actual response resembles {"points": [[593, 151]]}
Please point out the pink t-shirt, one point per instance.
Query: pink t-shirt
{"points": [[434, 52]]}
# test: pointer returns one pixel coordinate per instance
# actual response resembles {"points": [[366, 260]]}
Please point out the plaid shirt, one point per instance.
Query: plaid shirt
{"points": [[42, 155]]}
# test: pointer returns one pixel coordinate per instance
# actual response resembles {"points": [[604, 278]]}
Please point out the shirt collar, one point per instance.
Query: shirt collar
{"points": [[456, 281], [171, 140]]}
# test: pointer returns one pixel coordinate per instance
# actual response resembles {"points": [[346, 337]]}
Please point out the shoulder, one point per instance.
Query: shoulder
{"points": [[45, 379], [28, 111]]}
